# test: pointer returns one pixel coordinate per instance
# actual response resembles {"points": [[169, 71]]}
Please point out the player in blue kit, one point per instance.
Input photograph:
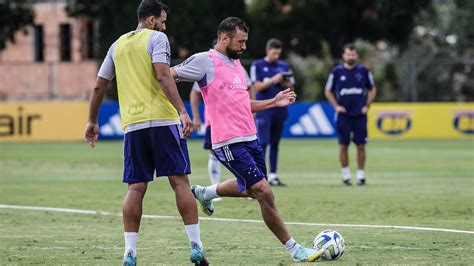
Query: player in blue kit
{"points": [[354, 90], [270, 76]]}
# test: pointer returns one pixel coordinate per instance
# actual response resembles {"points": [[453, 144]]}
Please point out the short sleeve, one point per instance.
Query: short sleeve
{"points": [[370, 80], [253, 72], [330, 83], [159, 48], [194, 68], [107, 69]]}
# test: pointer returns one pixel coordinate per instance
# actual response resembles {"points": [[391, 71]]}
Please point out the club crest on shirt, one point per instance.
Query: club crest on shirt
{"points": [[343, 78], [358, 76]]}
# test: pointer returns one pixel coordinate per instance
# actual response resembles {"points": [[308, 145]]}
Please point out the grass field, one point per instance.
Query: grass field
{"points": [[410, 183]]}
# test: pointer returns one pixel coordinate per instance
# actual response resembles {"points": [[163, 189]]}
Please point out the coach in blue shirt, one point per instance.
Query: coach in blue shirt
{"points": [[350, 89], [271, 75]]}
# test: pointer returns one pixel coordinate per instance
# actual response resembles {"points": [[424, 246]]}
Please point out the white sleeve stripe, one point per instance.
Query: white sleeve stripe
{"points": [[329, 83], [253, 73], [371, 80]]}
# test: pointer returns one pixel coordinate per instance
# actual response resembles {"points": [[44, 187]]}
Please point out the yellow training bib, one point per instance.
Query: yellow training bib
{"points": [[140, 95]]}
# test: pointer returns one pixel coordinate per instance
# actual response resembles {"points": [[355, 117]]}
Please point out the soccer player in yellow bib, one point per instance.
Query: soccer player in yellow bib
{"points": [[155, 122]]}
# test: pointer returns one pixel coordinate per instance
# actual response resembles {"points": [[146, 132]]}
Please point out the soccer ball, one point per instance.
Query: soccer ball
{"points": [[331, 242]]}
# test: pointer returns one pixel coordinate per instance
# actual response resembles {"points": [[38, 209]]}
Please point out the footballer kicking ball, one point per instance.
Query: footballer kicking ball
{"points": [[331, 242]]}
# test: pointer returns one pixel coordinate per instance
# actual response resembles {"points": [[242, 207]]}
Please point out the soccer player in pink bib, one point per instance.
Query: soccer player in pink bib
{"points": [[222, 82]]}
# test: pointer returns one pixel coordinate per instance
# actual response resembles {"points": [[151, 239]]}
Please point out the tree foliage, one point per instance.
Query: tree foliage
{"points": [[113, 17], [314, 31], [304, 24], [191, 25], [15, 15]]}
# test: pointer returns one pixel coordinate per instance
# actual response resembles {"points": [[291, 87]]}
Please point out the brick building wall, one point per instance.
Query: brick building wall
{"points": [[23, 76]]}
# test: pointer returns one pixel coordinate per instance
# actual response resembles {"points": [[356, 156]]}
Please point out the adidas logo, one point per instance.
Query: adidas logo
{"points": [[237, 80], [315, 122], [237, 84], [113, 127]]}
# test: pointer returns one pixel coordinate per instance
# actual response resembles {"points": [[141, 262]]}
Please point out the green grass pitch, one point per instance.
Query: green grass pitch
{"points": [[410, 183]]}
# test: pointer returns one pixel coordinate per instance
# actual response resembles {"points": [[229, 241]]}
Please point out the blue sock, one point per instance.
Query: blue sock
{"points": [[273, 157]]}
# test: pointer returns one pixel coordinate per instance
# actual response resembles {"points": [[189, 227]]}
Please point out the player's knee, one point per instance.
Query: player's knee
{"points": [[138, 187], [343, 147], [360, 147], [179, 181], [262, 191]]}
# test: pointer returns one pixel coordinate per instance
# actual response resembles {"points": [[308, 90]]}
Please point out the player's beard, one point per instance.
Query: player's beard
{"points": [[232, 53], [157, 27], [351, 62]]}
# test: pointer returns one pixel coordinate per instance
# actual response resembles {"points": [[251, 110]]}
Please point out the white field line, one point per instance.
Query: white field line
{"points": [[63, 210], [226, 248]]}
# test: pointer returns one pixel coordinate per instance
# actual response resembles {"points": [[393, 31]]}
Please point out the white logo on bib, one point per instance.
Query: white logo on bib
{"points": [[237, 80]]}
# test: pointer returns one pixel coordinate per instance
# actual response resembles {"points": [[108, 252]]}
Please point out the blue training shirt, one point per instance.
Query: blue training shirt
{"points": [[262, 70], [350, 87]]}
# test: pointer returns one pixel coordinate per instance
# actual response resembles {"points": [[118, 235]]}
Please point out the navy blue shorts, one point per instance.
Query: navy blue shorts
{"points": [[356, 125], [207, 139], [270, 125], [244, 160], [156, 149]]}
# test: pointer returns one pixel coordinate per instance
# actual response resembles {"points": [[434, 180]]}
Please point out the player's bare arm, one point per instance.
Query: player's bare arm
{"points": [[282, 99], [370, 98], [91, 132], [194, 97], [332, 100], [164, 77], [173, 73]]}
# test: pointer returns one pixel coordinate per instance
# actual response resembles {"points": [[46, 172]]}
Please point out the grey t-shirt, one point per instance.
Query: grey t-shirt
{"points": [[200, 68], [158, 48]]}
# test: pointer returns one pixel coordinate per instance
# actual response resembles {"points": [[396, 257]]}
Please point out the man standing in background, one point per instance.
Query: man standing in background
{"points": [[354, 89], [270, 76]]}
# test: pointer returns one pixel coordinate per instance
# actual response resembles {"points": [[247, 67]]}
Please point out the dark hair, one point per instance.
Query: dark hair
{"points": [[349, 46], [230, 26], [149, 8], [274, 44]]}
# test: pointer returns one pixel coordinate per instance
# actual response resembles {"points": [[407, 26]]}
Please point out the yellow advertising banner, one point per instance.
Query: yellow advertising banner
{"points": [[421, 120], [48, 121], [65, 121]]}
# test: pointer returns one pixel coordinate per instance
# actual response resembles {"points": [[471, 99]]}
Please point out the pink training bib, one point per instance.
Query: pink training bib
{"points": [[227, 102]]}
